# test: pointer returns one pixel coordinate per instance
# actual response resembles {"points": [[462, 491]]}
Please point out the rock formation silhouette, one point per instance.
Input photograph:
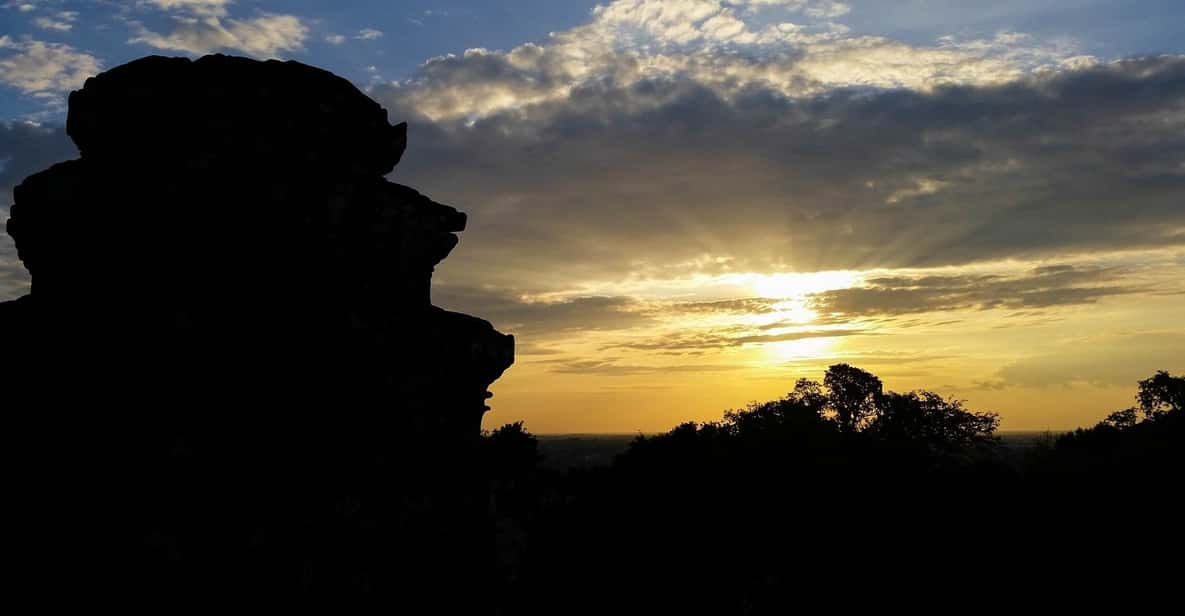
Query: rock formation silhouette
{"points": [[229, 341]]}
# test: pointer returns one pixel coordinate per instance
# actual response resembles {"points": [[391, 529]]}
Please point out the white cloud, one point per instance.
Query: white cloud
{"points": [[368, 34], [822, 9], [63, 23], [922, 187], [23, 7], [44, 69], [48, 23], [205, 26], [790, 46], [335, 39], [264, 36], [211, 8]]}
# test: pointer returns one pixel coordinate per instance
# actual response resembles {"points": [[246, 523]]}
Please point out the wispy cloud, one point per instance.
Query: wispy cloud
{"points": [[204, 26], [544, 319], [727, 338], [794, 48], [63, 21], [206, 8], [22, 7], [746, 305], [44, 69], [613, 368], [1043, 287], [1100, 359], [264, 36]]}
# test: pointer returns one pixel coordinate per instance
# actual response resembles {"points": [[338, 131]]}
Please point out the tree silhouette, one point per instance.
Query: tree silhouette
{"points": [[809, 394], [1122, 420], [701, 518], [510, 450], [1161, 394], [942, 425], [853, 395], [1158, 396]]}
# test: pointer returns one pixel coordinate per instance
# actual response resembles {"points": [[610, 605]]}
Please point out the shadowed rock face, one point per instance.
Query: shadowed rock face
{"points": [[226, 291]]}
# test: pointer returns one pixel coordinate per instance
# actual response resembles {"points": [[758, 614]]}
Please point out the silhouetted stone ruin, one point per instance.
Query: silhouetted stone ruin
{"points": [[230, 343]]}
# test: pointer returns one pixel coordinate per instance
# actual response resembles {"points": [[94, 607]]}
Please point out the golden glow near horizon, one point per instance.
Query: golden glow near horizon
{"points": [[1009, 337]]}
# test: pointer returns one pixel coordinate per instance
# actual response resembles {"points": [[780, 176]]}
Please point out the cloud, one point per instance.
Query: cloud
{"points": [[541, 319], [64, 22], [335, 39], [623, 317], [210, 8], [749, 305], [618, 177], [1039, 288], [822, 9], [729, 337], [23, 7], [873, 358], [730, 46], [368, 34], [925, 186], [1101, 360], [44, 69], [263, 37], [595, 367], [204, 26]]}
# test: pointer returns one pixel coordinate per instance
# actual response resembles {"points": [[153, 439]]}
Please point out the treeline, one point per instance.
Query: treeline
{"points": [[839, 484]]}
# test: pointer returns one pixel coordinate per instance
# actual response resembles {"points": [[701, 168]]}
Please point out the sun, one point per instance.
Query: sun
{"points": [[798, 285], [797, 350]]}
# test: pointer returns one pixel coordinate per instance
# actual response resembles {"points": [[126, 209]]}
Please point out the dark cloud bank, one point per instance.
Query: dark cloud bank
{"points": [[1042, 287], [664, 170]]}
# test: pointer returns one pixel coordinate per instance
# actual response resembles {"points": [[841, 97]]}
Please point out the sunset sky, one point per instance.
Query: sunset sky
{"points": [[680, 206]]}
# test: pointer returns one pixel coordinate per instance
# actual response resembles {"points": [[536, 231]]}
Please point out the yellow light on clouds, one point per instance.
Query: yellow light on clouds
{"points": [[795, 285]]}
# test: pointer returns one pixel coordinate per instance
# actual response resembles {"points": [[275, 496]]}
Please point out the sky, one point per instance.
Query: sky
{"points": [[681, 206]]}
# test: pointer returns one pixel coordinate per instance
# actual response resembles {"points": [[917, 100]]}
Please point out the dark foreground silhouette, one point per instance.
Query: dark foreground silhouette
{"points": [[228, 379], [228, 375]]}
